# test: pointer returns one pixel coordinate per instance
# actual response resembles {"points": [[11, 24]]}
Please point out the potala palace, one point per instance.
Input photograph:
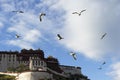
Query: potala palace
{"points": [[32, 65]]}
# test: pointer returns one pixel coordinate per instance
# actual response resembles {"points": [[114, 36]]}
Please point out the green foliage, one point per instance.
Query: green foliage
{"points": [[6, 77], [22, 68], [11, 69]]}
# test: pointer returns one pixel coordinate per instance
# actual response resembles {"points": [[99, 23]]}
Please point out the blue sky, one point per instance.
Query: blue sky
{"points": [[81, 33]]}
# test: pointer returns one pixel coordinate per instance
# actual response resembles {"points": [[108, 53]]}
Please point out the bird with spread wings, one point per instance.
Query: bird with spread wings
{"points": [[102, 65], [40, 17], [59, 37], [73, 55], [17, 36], [79, 13], [18, 11], [103, 35]]}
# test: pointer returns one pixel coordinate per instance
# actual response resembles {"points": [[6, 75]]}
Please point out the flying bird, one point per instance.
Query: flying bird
{"points": [[18, 11], [73, 55], [42, 14], [103, 35], [100, 68], [17, 36], [21, 12], [79, 13], [103, 63], [59, 37]]}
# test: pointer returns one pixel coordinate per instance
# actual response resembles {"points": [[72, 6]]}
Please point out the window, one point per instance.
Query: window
{"points": [[38, 62], [4, 55], [9, 60], [9, 56], [41, 63], [33, 62]]}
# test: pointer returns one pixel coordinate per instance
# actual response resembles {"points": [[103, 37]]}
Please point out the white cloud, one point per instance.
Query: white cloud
{"points": [[1, 24], [46, 3], [29, 27], [32, 36], [7, 6], [2, 20], [82, 33], [28, 35], [20, 43], [115, 71]]}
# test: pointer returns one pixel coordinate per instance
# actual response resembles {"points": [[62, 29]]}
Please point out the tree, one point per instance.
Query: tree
{"points": [[11, 69], [22, 68]]}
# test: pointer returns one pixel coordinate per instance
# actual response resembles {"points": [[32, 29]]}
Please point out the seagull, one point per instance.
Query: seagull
{"points": [[100, 68], [59, 36], [103, 63], [17, 36], [42, 14], [18, 11], [79, 13], [21, 12], [103, 35], [73, 55]]}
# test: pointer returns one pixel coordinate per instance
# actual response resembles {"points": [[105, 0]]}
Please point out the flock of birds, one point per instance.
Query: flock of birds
{"points": [[73, 54]]}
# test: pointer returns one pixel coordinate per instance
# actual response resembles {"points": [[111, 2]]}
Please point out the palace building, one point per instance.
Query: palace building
{"points": [[34, 61]]}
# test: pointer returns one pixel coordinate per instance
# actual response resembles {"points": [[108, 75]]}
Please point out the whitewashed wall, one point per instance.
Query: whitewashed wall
{"points": [[34, 76]]}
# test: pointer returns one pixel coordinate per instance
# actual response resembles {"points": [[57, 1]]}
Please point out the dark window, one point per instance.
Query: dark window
{"points": [[4, 55], [36, 62], [9, 60], [42, 63], [33, 62]]}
